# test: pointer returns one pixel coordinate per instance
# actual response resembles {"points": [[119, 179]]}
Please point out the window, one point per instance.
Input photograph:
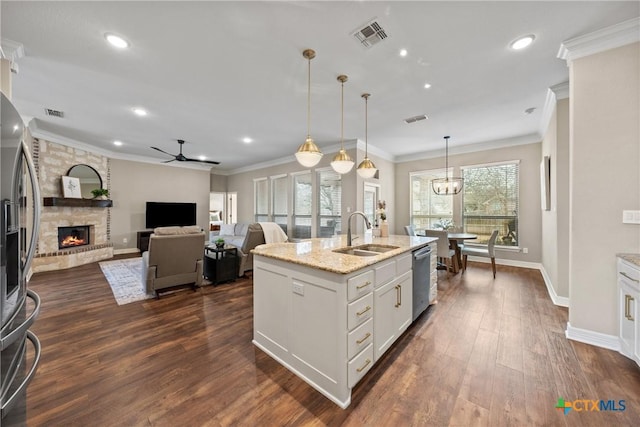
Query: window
{"points": [[261, 191], [279, 192], [329, 203], [490, 201], [427, 208], [302, 200]]}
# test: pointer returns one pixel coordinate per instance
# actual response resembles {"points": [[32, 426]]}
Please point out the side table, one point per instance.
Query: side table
{"points": [[220, 265]]}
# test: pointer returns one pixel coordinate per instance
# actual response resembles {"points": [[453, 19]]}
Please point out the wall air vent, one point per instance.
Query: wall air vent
{"points": [[53, 113], [416, 118], [370, 34]]}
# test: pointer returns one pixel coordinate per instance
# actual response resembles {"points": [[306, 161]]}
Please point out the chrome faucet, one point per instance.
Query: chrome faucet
{"points": [[366, 221]]}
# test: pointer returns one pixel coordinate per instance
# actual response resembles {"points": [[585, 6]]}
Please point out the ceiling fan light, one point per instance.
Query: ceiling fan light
{"points": [[308, 154], [366, 168], [341, 162]]}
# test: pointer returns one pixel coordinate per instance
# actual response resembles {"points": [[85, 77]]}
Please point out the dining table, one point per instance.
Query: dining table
{"points": [[454, 239]]}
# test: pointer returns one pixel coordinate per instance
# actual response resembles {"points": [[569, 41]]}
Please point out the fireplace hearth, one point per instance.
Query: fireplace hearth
{"points": [[72, 237]]}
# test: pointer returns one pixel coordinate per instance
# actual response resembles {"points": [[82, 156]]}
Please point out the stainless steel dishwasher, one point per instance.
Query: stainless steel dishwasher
{"points": [[421, 280]]}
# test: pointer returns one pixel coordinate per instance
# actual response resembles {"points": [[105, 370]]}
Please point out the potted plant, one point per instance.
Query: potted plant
{"points": [[219, 243], [100, 193]]}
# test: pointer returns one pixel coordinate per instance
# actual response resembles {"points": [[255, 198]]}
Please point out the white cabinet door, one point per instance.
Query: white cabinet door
{"points": [[627, 302], [393, 307]]}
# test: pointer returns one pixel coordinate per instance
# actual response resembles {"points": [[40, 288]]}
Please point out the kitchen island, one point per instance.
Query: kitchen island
{"points": [[328, 315]]}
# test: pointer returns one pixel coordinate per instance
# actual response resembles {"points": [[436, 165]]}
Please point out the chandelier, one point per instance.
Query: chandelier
{"points": [[308, 154], [447, 186]]}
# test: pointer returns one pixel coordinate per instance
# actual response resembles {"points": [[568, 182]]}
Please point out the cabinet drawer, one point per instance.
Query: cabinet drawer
{"points": [[403, 263], [359, 311], [360, 285], [629, 274], [359, 366], [385, 272], [359, 338]]}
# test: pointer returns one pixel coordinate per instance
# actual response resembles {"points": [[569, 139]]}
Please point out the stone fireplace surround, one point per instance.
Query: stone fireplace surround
{"points": [[52, 161]]}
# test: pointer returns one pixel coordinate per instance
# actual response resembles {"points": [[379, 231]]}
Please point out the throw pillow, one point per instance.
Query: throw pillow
{"points": [[227, 229], [168, 231]]}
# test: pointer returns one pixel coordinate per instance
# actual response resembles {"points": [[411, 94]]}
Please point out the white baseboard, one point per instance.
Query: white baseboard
{"points": [[557, 300], [598, 339], [126, 251]]}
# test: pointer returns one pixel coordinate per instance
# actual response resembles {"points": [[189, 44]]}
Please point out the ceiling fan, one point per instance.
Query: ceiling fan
{"points": [[181, 158]]}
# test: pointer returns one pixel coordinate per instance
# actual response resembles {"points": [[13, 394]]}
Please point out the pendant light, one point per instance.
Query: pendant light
{"points": [[341, 162], [366, 168], [447, 186], [308, 154]]}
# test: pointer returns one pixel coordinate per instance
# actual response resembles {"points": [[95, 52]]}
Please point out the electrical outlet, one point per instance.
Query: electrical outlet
{"points": [[125, 241], [525, 250], [298, 288]]}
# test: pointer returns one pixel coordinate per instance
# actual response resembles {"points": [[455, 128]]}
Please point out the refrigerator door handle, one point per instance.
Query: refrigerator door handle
{"points": [[6, 407], [36, 207], [9, 338]]}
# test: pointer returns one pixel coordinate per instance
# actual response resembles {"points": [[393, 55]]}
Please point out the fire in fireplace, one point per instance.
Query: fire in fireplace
{"points": [[71, 237]]}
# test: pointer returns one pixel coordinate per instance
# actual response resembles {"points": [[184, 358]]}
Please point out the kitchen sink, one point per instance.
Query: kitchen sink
{"points": [[365, 250]]}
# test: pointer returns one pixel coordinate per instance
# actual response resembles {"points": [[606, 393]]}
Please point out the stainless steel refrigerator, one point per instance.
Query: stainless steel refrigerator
{"points": [[19, 306]]}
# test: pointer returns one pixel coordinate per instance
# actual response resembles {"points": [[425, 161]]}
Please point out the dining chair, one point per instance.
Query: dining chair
{"points": [[444, 252], [488, 252], [410, 230]]}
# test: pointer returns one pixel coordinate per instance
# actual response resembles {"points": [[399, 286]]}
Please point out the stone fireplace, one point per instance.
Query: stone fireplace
{"points": [[75, 236], [89, 224]]}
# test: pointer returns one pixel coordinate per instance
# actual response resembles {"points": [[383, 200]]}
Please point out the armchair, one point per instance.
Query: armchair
{"points": [[174, 258]]}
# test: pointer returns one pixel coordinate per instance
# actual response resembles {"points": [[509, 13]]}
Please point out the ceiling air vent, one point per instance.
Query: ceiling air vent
{"points": [[53, 113], [416, 118], [370, 34]]}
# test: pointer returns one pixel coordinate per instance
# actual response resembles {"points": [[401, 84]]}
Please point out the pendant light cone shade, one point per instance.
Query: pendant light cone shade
{"points": [[447, 186], [308, 154], [366, 168], [341, 162]]}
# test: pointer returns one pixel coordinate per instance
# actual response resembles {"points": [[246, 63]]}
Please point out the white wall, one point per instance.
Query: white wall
{"points": [[529, 222], [133, 184], [604, 180], [555, 222]]}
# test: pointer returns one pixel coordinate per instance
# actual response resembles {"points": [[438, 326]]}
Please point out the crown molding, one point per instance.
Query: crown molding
{"points": [[371, 149], [554, 94], [36, 132], [617, 35], [472, 148]]}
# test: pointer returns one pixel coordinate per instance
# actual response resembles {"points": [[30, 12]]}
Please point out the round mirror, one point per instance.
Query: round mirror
{"points": [[89, 179]]}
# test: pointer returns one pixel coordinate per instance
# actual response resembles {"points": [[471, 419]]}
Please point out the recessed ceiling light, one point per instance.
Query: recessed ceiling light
{"points": [[140, 111], [522, 42], [202, 157], [403, 52], [15, 127], [427, 85], [118, 143], [116, 41], [247, 140]]}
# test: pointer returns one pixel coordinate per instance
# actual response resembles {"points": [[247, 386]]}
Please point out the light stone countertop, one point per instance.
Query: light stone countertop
{"points": [[318, 253], [632, 258]]}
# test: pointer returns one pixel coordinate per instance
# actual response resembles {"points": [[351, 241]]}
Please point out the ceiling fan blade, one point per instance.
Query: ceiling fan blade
{"points": [[202, 161], [162, 151], [168, 161]]}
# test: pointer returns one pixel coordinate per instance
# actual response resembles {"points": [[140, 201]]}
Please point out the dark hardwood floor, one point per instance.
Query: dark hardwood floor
{"points": [[490, 353]]}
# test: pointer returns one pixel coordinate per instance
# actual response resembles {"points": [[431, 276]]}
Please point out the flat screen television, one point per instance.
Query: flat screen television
{"points": [[166, 214]]}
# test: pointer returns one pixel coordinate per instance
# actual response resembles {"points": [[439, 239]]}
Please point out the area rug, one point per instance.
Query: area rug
{"points": [[125, 278]]}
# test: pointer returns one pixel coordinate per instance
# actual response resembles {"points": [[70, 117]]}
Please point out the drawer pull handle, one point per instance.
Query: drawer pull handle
{"points": [[360, 313], [629, 277], [398, 296], [627, 310], [360, 341], [366, 363], [367, 283]]}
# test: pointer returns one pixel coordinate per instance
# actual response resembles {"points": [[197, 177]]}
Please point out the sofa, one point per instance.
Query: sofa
{"points": [[174, 258], [243, 236]]}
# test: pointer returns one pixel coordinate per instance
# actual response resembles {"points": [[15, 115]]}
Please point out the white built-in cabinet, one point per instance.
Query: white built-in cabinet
{"points": [[628, 300], [330, 328]]}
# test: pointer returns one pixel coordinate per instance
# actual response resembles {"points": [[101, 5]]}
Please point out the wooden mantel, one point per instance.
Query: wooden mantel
{"points": [[77, 203]]}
